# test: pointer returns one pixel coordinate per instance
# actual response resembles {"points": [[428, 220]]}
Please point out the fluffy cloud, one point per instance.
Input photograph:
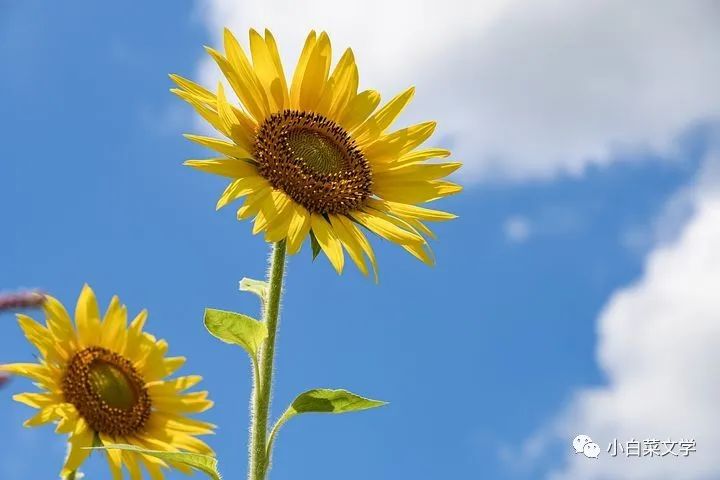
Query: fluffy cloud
{"points": [[658, 346], [522, 89]]}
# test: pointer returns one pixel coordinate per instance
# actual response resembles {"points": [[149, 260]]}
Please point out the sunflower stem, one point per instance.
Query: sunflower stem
{"points": [[262, 383]]}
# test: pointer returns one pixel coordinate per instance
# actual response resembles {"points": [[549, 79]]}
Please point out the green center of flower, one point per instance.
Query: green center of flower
{"points": [[319, 152], [107, 392], [112, 385], [314, 161]]}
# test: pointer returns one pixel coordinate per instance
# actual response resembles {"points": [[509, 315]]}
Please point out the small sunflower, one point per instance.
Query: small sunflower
{"points": [[314, 157], [104, 382]]}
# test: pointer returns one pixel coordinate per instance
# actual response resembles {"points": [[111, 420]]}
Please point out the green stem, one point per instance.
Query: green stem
{"points": [[262, 384], [72, 475]]}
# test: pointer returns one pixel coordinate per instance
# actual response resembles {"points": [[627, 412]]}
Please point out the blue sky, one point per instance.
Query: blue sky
{"points": [[476, 355]]}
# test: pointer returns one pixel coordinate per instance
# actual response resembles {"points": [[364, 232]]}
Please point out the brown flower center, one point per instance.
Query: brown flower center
{"points": [[107, 391], [314, 160]]}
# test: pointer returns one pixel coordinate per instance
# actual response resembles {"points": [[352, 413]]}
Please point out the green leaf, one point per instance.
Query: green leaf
{"points": [[236, 329], [258, 287], [322, 400], [202, 463], [316, 248], [332, 401]]}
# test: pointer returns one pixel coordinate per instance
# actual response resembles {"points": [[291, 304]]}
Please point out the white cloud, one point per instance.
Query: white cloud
{"points": [[659, 347], [522, 89], [517, 229]]}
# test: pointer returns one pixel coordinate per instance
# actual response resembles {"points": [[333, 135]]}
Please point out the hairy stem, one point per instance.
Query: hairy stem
{"points": [[262, 383]]}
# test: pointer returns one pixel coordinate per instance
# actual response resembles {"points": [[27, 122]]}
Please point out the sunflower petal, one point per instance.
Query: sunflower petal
{"points": [[79, 443], [374, 126], [299, 74], [349, 242], [226, 148], [87, 316], [316, 73], [224, 166], [379, 224], [299, 229], [359, 109], [328, 241], [269, 71]]}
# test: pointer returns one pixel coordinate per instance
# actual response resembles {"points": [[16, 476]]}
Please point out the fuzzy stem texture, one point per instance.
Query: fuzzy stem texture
{"points": [[262, 383]]}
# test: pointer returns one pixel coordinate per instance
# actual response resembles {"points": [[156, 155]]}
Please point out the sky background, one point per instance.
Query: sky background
{"points": [[575, 294]]}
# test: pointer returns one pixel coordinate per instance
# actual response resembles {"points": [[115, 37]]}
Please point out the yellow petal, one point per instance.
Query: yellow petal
{"points": [[359, 109], [182, 424], [130, 459], [226, 148], [253, 201], [34, 371], [316, 73], [58, 320], [414, 191], [422, 252], [349, 242], [340, 87], [171, 387], [226, 167], [45, 415], [206, 112], [78, 443], [352, 229], [41, 338], [239, 188], [113, 332], [374, 126], [411, 211], [299, 229], [300, 69], [87, 317], [392, 146], [195, 402], [275, 55], [271, 206], [114, 457], [269, 71], [247, 75], [379, 224], [197, 90], [135, 335], [328, 241], [37, 400], [416, 172]]}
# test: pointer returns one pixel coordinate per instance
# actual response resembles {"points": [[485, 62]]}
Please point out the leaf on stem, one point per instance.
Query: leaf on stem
{"points": [[323, 400], [236, 329], [202, 463]]}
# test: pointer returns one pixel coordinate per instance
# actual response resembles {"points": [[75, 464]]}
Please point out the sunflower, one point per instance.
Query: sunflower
{"points": [[314, 157], [104, 382]]}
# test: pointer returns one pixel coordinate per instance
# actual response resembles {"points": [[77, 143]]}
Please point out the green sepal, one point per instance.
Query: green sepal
{"points": [[201, 463], [316, 248], [236, 329]]}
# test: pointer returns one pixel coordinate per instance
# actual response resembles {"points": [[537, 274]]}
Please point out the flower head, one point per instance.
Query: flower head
{"points": [[104, 382], [313, 157]]}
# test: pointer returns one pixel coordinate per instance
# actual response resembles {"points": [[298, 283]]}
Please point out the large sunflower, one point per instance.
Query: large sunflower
{"points": [[105, 382], [316, 158]]}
